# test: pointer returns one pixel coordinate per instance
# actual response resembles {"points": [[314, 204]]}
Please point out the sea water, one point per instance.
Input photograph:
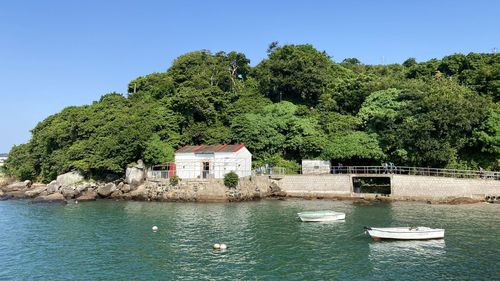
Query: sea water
{"points": [[107, 240]]}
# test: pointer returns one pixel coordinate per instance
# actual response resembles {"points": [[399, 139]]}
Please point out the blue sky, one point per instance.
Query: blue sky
{"points": [[59, 53]]}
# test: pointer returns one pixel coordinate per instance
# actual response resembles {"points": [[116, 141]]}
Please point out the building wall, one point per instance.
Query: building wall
{"points": [[190, 165], [315, 167], [244, 168]]}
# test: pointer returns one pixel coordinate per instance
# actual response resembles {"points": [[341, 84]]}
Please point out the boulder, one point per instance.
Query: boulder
{"points": [[70, 178], [83, 187], [52, 198], [135, 175], [120, 186], [141, 193], [106, 189], [35, 191], [16, 186], [87, 196], [1, 193], [53, 187], [125, 188], [68, 191], [117, 194]]}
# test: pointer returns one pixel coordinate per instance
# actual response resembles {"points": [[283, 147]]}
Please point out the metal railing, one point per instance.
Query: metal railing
{"points": [[360, 170], [381, 170]]}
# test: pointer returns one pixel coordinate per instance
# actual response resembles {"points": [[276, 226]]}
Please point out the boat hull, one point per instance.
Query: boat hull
{"points": [[321, 216], [405, 233]]}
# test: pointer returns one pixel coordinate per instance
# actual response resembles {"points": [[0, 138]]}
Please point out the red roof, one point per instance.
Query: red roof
{"points": [[210, 148]]}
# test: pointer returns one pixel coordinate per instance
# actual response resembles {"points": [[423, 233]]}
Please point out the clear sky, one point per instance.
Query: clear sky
{"points": [[59, 53]]}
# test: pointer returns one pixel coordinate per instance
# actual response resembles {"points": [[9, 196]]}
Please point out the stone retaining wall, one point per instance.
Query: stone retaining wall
{"points": [[437, 187], [316, 185], [402, 186]]}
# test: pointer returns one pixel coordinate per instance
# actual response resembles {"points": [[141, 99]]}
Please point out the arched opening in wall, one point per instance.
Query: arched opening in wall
{"points": [[377, 185]]}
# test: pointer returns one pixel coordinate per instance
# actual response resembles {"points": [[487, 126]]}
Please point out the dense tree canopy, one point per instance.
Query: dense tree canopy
{"points": [[297, 103]]}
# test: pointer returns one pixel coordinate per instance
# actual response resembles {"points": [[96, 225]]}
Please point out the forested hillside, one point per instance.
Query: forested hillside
{"points": [[297, 103]]}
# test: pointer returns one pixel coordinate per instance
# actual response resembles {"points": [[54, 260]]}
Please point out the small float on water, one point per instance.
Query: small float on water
{"points": [[405, 233], [321, 216]]}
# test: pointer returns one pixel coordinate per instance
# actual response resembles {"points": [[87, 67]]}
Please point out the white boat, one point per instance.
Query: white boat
{"points": [[405, 233], [324, 215]]}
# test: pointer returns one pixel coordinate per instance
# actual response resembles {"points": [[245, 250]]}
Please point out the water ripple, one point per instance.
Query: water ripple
{"points": [[108, 240]]}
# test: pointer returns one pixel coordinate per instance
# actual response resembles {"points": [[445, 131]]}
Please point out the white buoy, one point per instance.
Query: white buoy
{"points": [[223, 246], [76, 201], [216, 246], [155, 228]]}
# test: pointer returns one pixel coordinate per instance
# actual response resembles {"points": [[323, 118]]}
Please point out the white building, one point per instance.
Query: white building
{"points": [[212, 161], [315, 167], [3, 158]]}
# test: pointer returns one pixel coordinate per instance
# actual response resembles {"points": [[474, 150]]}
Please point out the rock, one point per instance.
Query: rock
{"points": [[16, 186], [36, 191], [87, 196], [70, 178], [463, 200], [1, 193], [135, 175], [125, 188], [361, 201], [52, 198], [83, 187], [6, 197], [28, 183], [68, 191], [141, 193], [4, 181], [53, 187], [106, 189], [120, 186], [117, 194]]}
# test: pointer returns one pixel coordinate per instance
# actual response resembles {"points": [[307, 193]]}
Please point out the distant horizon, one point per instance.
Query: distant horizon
{"points": [[62, 53]]}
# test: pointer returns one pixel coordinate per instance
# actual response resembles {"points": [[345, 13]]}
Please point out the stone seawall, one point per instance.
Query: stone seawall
{"points": [[403, 187], [316, 185], [440, 188]]}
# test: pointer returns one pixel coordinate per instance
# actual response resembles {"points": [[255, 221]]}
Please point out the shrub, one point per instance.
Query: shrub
{"points": [[231, 180], [174, 180]]}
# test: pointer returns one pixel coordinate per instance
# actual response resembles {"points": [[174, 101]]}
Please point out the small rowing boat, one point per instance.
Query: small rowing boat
{"points": [[319, 216], [405, 233]]}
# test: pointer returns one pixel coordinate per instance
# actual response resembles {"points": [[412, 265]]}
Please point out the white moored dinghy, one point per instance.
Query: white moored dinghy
{"points": [[405, 233], [321, 216]]}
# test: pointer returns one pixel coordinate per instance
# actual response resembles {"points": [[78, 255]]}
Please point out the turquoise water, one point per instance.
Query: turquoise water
{"points": [[108, 240]]}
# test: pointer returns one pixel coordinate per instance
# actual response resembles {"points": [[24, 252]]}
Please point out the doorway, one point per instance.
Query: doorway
{"points": [[205, 169], [378, 185]]}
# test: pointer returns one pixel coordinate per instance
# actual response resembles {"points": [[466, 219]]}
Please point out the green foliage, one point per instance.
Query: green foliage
{"points": [[231, 179], [174, 180], [355, 148], [20, 163], [156, 86], [158, 151], [297, 73], [296, 104]]}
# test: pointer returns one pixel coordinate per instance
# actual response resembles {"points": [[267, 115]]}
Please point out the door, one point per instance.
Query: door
{"points": [[206, 169]]}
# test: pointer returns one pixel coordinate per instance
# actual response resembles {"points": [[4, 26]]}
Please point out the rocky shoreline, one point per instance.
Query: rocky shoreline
{"points": [[73, 186]]}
